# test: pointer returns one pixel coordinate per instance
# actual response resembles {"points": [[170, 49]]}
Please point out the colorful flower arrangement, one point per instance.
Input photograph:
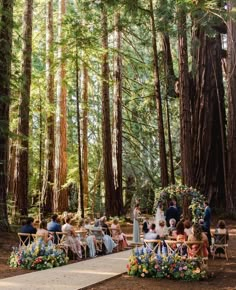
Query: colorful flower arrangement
{"points": [[185, 196], [37, 256], [147, 264]]}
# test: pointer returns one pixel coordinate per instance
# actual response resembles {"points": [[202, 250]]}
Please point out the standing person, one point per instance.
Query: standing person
{"points": [[146, 225], [159, 214], [136, 235], [207, 221], [171, 212]]}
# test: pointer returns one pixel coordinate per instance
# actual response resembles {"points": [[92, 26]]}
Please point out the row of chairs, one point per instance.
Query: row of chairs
{"points": [[220, 244], [58, 238]]}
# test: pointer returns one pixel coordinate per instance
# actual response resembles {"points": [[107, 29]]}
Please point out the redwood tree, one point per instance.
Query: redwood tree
{"points": [[117, 119], [106, 129], [48, 178], [21, 175], [231, 89], [208, 116], [157, 94], [184, 95], [6, 24], [60, 193]]}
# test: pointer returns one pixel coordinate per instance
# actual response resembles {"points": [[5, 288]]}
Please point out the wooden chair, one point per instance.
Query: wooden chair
{"points": [[195, 250], [174, 247], [152, 245], [83, 242], [25, 239], [60, 243], [98, 233], [115, 237], [220, 244]]}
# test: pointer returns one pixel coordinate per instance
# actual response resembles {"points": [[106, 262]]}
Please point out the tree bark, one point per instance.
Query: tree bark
{"points": [[157, 93], [85, 135], [169, 93], [106, 129], [117, 120], [21, 176], [209, 118], [185, 108], [6, 25], [231, 89], [48, 178], [60, 193]]}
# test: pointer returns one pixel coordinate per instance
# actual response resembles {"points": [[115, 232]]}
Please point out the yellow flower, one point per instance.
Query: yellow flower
{"points": [[197, 271]]}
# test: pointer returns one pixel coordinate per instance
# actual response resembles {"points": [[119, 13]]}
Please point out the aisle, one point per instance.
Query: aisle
{"points": [[71, 277]]}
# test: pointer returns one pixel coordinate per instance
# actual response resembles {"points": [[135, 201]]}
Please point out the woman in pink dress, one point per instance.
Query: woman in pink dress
{"points": [[117, 234], [198, 236], [71, 238]]}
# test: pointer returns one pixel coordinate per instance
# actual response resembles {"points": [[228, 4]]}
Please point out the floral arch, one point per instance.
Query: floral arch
{"points": [[190, 200]]}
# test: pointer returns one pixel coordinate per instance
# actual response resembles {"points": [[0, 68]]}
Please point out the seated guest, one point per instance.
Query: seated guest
{"points": [[162, 231], [104, 226], [187, 227], [198, 235], [151, 234], [221, 229], [117, 234], [71, 239], [53, 225], [43, 233], [28, 228], [90, 239], [146, 225], [172, 228], [180, 234]]}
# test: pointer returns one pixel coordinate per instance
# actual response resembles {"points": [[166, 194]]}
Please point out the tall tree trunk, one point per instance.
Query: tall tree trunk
{"points": [[209, 118], [21, 176], [106, 129], [48, 178], [81, 191], [117, 119], [60, 193], [85, 135], [170, 92], [157, 92], [185, 109], [6, 25], [231, 88]]}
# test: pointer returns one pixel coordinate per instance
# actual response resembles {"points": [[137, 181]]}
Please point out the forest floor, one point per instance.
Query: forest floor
{"points": [[222, 273]]}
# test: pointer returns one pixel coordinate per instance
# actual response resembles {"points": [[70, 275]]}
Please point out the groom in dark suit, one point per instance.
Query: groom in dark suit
{"points": [[207, 221], [171, 212]]}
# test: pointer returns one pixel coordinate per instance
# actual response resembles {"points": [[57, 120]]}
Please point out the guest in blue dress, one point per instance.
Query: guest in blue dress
{"points": [[136, 235]]}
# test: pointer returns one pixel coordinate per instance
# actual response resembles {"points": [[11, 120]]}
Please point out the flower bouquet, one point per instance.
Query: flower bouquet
{"points": [[143, 263], [37, 256]]}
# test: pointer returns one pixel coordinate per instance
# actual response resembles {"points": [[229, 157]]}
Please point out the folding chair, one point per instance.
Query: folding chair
{"points": [[83, 242], [195, 250], [115, 237], [174, 247], [24, 239], [98, 233], [60, 239], [220, 244], [152, 245]]}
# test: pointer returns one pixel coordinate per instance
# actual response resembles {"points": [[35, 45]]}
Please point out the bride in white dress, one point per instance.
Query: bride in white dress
{"points": [[160, 216]]}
